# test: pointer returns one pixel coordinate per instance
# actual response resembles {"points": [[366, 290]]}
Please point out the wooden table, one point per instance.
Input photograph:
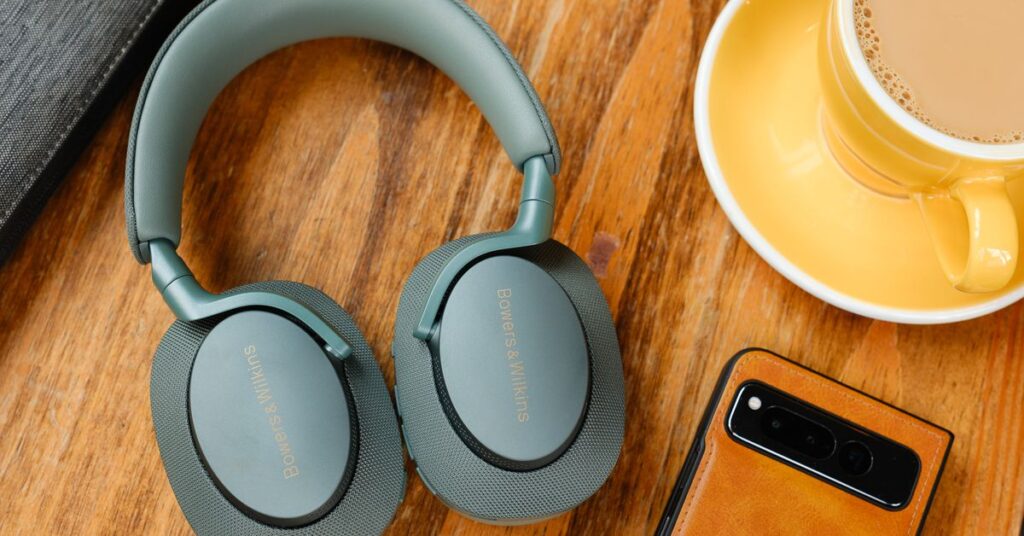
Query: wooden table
{"points": [[341, 163]]}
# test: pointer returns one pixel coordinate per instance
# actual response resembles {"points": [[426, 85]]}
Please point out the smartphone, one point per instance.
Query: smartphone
{"points": [[782, 449]]}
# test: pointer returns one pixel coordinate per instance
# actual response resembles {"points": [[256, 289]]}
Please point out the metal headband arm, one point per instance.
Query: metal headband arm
{"points": [[191, 302]]}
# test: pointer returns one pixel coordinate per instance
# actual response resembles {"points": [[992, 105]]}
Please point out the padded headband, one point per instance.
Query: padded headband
{"points": [[221, 37]]}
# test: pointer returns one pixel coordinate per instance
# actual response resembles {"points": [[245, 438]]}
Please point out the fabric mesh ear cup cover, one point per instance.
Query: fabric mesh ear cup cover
{"points": [[460, 478], [376, 487]]}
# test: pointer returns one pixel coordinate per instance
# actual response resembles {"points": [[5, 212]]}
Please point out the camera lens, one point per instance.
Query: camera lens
{"points": [[855, 458], [797, 432]]}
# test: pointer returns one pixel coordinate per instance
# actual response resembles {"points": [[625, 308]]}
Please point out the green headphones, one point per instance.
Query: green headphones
{"points": [[201, 385]]}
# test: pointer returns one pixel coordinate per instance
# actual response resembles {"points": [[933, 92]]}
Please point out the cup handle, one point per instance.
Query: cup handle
{"points": [[980, 256]]}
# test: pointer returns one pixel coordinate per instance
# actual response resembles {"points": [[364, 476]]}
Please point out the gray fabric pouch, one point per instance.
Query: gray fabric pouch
{"points": [[63, 64]]}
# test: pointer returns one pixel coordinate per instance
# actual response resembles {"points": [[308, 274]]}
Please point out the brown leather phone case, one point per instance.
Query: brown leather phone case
{"points": [[728, 488]]}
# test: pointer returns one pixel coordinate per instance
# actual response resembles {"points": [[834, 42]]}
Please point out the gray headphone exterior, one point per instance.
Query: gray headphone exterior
{"points": [[461, 478], [216, 41], [221, 37], [378, 483]]}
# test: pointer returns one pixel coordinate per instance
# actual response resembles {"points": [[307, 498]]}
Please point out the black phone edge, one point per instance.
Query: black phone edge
{"points": [[696, 452]]}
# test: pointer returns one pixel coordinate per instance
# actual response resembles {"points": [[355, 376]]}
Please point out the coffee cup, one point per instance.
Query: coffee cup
{"points": [[958, 184]]}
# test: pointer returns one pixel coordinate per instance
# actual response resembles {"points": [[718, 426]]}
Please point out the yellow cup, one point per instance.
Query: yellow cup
{"points": [[960, 186]]}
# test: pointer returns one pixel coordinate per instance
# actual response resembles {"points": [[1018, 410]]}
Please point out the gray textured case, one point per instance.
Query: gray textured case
{"points": [[375, 489], [448, 467], [63, 64]]}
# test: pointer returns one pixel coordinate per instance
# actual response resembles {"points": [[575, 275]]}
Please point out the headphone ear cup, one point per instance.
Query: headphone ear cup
{"points": [[375, 471], [440, 444]]}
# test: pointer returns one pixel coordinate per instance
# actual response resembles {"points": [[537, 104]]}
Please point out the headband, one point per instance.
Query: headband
{"points": [[221, 37]]}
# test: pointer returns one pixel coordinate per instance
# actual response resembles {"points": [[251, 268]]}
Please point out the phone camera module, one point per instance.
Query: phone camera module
{"points": [[855, 458], [821, 444]]}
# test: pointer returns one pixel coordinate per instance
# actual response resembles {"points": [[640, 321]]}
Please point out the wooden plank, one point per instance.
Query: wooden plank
{"points": [[340, 163]]}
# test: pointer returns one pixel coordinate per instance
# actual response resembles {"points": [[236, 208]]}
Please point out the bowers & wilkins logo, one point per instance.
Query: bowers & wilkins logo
{"points": [[517, 369], [265, 398]]}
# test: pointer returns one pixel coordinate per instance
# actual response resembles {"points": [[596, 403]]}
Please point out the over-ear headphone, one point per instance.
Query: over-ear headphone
{"points": [[270, 411]]}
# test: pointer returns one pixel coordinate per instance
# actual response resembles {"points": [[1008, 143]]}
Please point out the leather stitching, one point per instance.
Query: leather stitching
{"points": [[832, 388], [84, 103]]}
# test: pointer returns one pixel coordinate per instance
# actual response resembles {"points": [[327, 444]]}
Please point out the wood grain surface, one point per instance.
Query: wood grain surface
{"points": [[341, 163]]}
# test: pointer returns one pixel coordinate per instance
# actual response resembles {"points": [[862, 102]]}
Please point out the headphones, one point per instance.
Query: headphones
{"points": [[270, 411]]}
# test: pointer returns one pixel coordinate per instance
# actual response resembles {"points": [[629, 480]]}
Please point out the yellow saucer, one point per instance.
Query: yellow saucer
{"points": [[758, 113]]}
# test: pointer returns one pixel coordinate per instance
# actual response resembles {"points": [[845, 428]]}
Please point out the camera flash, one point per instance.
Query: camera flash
{"points": [[754, 403]]}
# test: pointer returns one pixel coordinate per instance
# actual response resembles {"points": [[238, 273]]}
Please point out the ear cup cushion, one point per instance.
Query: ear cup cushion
{"points": [[377, 485], [469, 483]]}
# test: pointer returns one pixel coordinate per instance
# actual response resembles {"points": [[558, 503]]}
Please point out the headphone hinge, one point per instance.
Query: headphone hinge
{"points": [[167, 265]]}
